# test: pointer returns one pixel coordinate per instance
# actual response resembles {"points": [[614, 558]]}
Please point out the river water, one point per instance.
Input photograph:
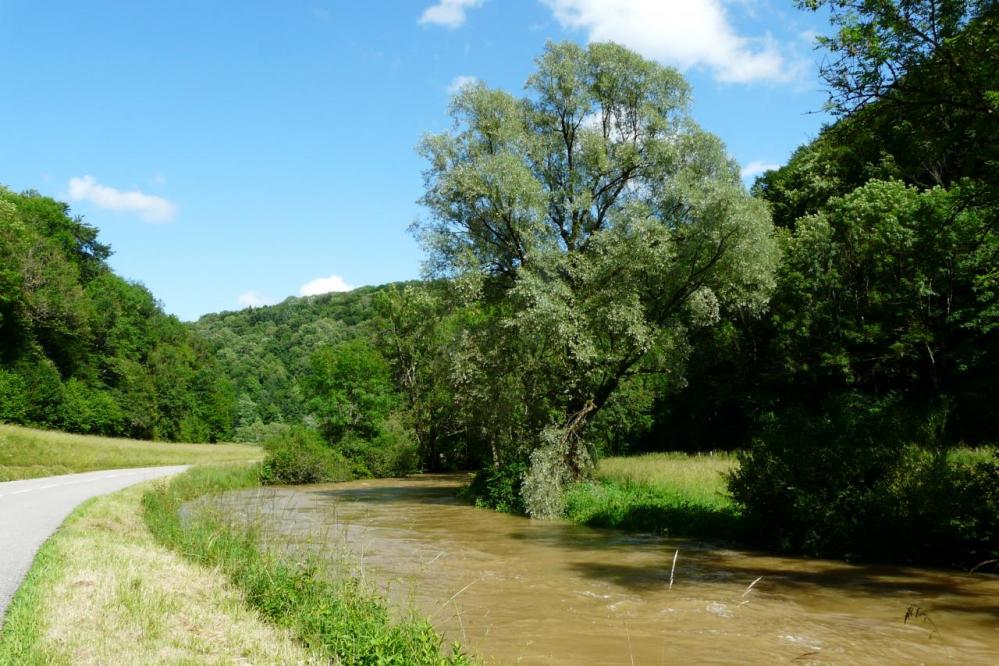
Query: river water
{"points": [[515, 590]]}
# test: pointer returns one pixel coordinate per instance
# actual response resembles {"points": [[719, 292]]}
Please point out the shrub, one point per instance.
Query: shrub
{"points": [[499, 488], [301, 456], [392, 451], [259, 432], [90, 411], [867, 479], [13, 397]]}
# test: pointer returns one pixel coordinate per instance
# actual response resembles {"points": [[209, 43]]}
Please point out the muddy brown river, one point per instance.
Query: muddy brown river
{"points": [[515, 590]]}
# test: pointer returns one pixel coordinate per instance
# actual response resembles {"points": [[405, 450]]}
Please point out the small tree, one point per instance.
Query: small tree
{"points": [[606, 225]]}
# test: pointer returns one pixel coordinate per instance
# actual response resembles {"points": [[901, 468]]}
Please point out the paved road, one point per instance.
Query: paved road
{"points": [[32, 509]]}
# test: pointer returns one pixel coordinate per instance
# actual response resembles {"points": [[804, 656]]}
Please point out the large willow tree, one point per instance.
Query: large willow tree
{"points": [[604, 225]]}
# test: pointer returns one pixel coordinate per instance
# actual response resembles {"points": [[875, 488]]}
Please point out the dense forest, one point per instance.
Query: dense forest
{"points": [[601, 281], [266, 351], [85, 351]]}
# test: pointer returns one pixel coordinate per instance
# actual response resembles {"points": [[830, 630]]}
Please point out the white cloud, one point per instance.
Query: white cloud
{"points": [[459, 82], [149, 207], [684, 33], [324, 285], [448, 13], [757, 167], [253, 299]]}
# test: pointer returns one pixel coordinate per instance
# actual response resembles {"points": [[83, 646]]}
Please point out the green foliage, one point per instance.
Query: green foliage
{"points": [[328, 608], [392, 451], [266, 352], [87, 351], [596, 225], [868, 480], [13, 397], [301, 456], [351, 388], [647, 509], [663, 493], [499, 488]]}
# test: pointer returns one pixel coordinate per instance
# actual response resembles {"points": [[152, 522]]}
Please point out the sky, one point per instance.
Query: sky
{"points": [[237, 153]]}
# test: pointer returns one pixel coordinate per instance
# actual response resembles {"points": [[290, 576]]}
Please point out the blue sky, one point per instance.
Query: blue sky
{"points": [[236, 153]]}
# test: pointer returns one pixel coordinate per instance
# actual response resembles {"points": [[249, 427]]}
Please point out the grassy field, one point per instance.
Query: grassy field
{"points": [[667, 493], [26, 453], [103, 591]]}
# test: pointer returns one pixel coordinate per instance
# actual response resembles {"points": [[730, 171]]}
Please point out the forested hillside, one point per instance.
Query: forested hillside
{"points": [[266, 351], [83, 350]]}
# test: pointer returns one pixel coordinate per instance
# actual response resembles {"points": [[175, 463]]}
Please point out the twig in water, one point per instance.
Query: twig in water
{"points": [[453, 596], [983, 564], [673, 568], [436, 557], [917, 613], [751, 585], [461, 624]]}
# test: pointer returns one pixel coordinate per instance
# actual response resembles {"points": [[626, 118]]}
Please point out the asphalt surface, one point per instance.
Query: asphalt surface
{"points": [[32, 509]]}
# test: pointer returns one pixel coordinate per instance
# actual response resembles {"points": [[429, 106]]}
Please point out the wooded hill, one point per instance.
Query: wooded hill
{"points": [[83, 350]]}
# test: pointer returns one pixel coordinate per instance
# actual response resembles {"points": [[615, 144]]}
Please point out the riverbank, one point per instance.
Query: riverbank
{"points": [[674, 494], [27, 453], [323, 604], [102, 590], [128, 579], [678, 494], [517, 590]]}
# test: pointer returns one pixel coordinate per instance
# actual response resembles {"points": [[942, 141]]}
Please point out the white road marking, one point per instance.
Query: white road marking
{"points": [[69, 483]]}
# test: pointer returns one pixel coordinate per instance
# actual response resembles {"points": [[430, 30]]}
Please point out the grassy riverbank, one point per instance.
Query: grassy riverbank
{"points": [[27, 453], [127, 580], [686, 495], [334, 615], [670, 493], [103, 591]]}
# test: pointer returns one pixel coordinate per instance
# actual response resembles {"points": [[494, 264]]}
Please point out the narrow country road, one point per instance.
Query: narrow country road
{"points": [[32, 509]]}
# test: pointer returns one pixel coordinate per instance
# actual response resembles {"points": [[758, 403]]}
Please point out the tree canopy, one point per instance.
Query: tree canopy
{"points": [[602, 223]]}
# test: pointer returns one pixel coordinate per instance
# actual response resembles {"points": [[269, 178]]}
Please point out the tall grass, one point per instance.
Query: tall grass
{"points": [[665, 493], [693, 478], [332, 612], [28, 453]]}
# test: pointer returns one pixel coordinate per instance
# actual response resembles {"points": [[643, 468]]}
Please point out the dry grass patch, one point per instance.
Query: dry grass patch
{"points": [[107, 593], [28, 453]]}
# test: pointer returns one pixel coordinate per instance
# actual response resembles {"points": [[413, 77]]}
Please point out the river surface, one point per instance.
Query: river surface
{"points": [[515, 590]]}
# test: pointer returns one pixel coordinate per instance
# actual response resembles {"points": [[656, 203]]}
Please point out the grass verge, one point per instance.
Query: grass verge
{"points": [[665, 493], [26, 453], [102, 591], [328, 610]]}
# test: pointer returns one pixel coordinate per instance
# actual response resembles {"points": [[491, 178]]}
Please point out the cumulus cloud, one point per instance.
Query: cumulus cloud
{"points": [[323, 285], [459, 82], [147, 206], [253, 299], [684, 33], [757, 167], [448, 13]]}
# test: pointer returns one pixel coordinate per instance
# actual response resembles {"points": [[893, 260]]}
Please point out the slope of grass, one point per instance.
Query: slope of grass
{"points": [[318, 599], [102, 591], [666, 493], [26, 453]]}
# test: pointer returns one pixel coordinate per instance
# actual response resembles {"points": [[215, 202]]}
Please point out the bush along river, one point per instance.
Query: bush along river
{"points": [[513, 590]]}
